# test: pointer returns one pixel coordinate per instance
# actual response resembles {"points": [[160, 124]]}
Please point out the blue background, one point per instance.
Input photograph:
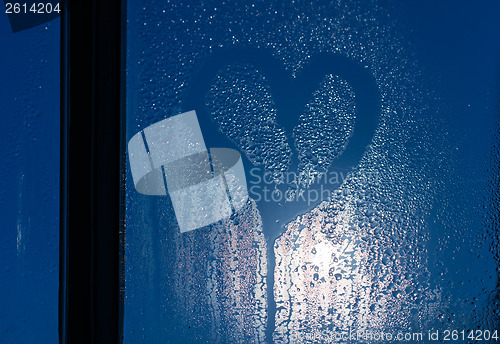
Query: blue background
{"points": [[29, 183]]}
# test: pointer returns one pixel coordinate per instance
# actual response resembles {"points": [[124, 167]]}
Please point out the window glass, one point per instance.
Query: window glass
{"points": [[29, 182], [368, 136]]}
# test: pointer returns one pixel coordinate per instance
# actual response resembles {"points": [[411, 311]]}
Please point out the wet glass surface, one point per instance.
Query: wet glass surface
{"points": [[29, 182], [369, 137]]}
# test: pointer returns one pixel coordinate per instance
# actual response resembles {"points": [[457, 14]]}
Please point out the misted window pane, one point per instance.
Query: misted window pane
{"points": [[29, 182], [355, 191]]}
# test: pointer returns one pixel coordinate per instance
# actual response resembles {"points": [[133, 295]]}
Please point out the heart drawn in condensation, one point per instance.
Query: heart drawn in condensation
{"points": [[289, 96]]}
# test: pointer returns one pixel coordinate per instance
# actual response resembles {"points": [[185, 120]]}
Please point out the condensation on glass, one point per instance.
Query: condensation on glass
{"points": [[404, 241], [29, 183]]}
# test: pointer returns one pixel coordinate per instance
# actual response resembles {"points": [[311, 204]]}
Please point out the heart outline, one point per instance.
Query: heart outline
{"points": [[287, 96], [368, 110]]}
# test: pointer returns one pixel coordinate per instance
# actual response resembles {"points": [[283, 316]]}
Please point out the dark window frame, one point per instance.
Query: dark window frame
{"points": [[91, 291]]}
